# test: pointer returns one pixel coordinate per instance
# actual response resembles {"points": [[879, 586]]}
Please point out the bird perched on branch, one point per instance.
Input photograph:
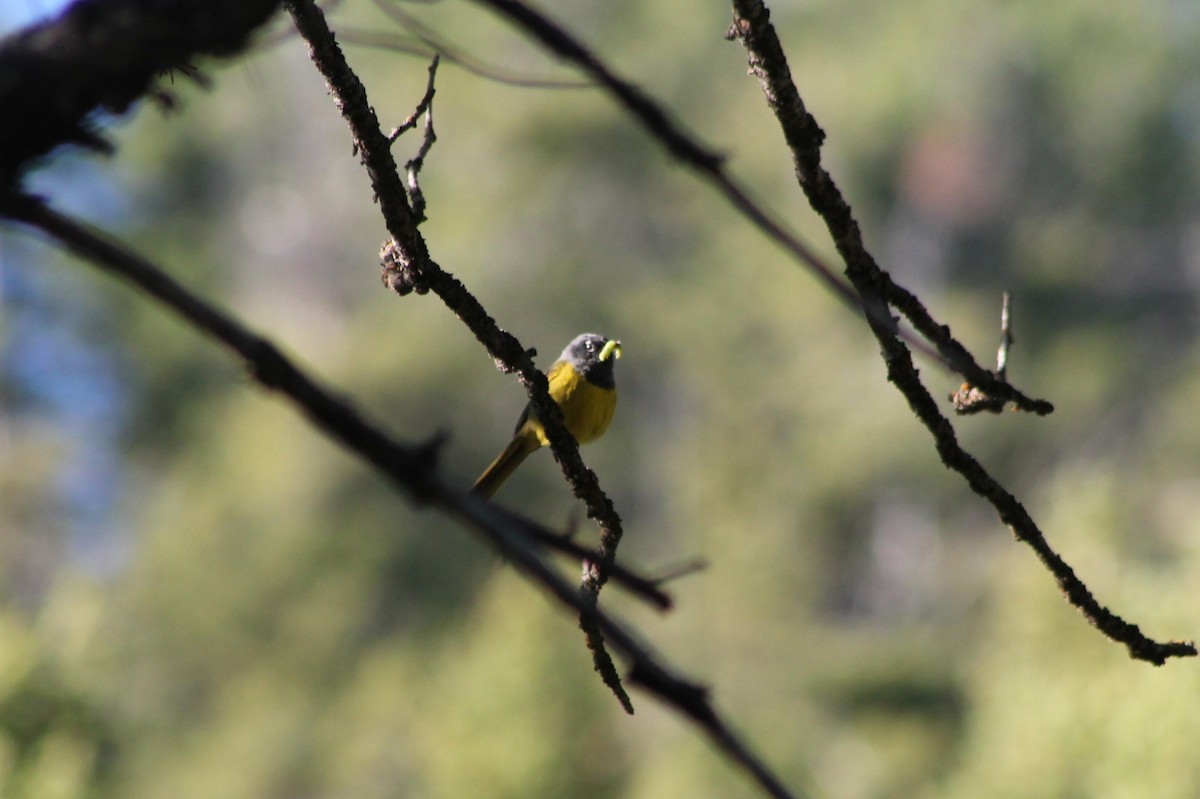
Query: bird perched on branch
{"points": [[583, 385]]}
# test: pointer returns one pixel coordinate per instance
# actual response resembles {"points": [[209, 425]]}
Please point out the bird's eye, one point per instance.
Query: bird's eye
{"points": [[590, 346]]}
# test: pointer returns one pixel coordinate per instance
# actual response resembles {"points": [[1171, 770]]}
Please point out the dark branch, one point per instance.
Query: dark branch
{"points": [[647, 587], [103, 55], [420, 270], [767, 61], [805, 137], [411, 469]]}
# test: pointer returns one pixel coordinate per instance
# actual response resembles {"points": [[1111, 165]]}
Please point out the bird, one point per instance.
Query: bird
{"points": [[584, 386]]}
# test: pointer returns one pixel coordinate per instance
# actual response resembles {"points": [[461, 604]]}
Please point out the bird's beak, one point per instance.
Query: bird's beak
{"points": [[612, 348]]}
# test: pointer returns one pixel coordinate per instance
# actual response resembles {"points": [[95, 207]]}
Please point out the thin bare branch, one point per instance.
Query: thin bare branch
{"points": [[645, 586], [411, 469], [415, 270], [767, 61], [1006, 337], [969, 399], [412, 168], [680, 570], [423, 105]]}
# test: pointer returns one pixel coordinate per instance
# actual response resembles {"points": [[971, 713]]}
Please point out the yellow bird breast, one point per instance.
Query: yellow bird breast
{"points": [[587, 408]]}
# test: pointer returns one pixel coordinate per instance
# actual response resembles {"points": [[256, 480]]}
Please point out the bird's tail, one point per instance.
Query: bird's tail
{"points": [[520, 448]]}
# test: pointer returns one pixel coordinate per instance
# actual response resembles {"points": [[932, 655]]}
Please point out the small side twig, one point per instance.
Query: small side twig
{"points": [[969, 399], [680, 570], [1006, 337], [645, 586], [412, 168], [422, 106]]}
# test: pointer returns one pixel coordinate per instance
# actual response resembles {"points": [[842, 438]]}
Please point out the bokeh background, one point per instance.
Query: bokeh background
{"points": [[199, 597]]}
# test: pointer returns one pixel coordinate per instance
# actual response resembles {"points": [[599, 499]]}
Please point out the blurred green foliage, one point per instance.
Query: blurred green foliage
{"points": [[268, 619]]}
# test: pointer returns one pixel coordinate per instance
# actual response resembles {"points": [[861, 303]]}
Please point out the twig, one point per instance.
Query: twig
{"points": [[767, 61], [413, 167], [645, 586], [971, 399], [1006, 337], [416, 268], [408, 468], [680, 570], [422, 106]]}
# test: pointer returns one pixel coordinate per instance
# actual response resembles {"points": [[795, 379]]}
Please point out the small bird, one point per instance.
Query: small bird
{"points": [[583, 385]]}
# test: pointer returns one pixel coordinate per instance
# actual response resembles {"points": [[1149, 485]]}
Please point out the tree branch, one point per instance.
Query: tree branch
{"points": [[767, 61], [412, 470], [103, 55], [413, 267]]}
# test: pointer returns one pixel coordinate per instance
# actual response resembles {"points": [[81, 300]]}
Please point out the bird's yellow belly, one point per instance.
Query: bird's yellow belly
{"points": [[587, 409]]}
